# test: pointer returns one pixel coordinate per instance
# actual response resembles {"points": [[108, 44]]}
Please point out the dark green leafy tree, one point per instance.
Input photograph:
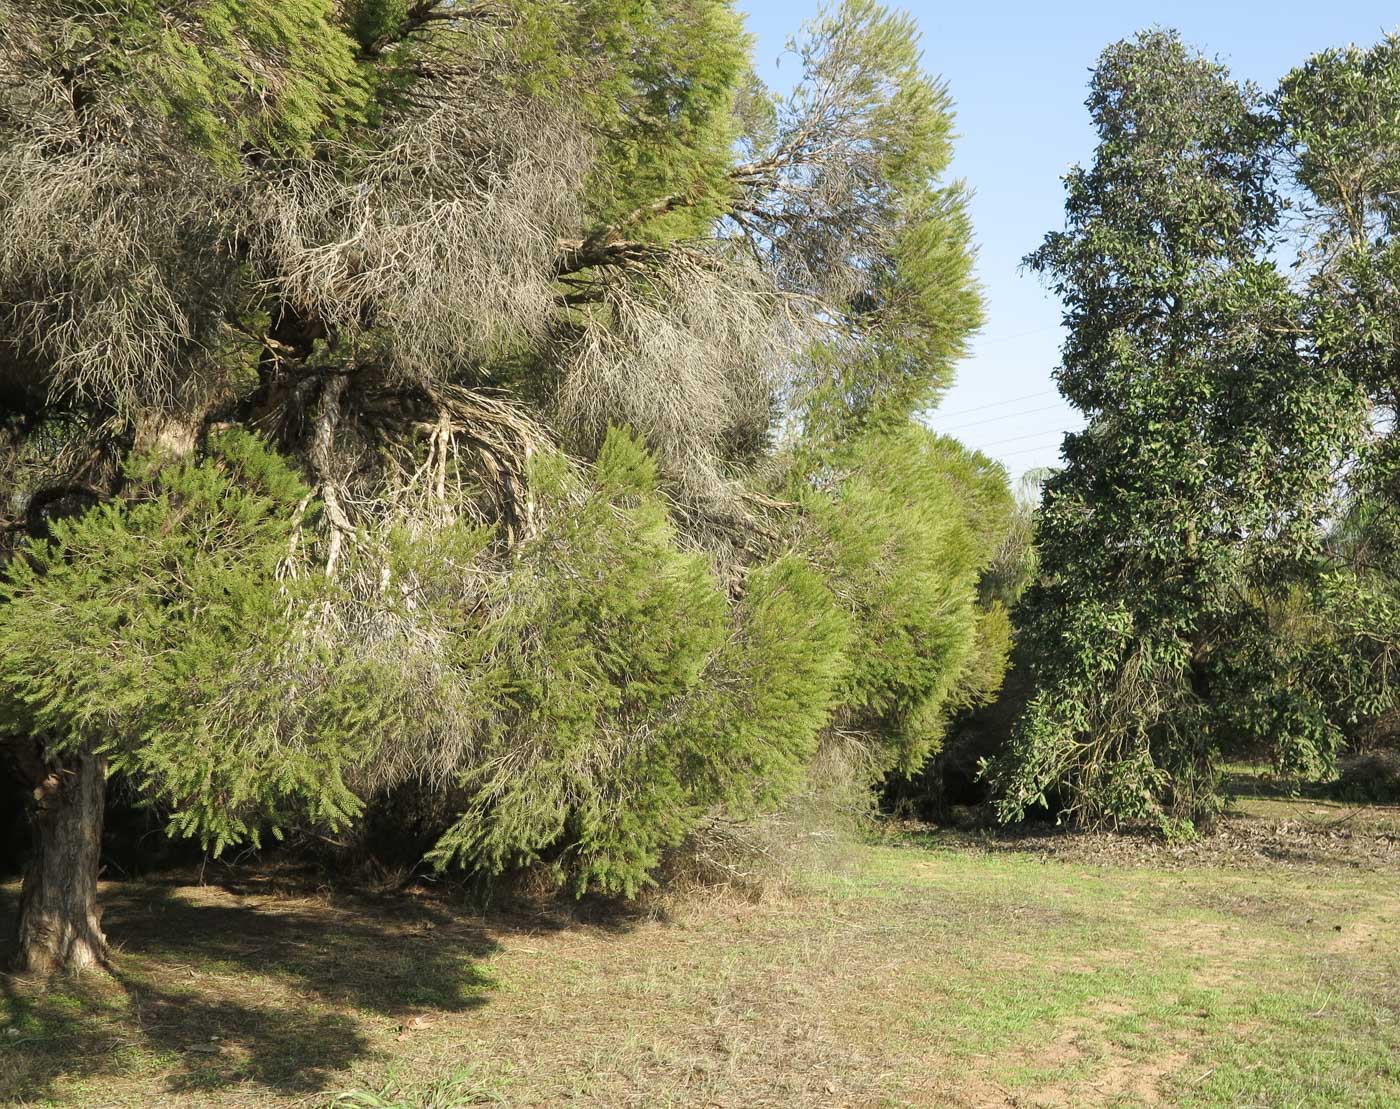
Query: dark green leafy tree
{"points": [[1340, 115], [1196, 496]]}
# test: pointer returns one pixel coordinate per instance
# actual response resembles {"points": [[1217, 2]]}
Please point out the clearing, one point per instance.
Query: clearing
{"points": [[1260, 967]]}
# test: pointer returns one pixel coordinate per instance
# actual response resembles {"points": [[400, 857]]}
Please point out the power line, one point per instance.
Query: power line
{"points": [[1021, 438], [1025, 450], [1018, 335], [994, 404], [1003, 416]]}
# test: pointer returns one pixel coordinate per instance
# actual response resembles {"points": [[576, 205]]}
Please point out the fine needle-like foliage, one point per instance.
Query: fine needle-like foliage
{"points": [[908, 523], [132, 632], [495, 412], [630, 705]]}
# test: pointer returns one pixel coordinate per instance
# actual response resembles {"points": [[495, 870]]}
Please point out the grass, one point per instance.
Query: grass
{"points": [[1260, 967]]}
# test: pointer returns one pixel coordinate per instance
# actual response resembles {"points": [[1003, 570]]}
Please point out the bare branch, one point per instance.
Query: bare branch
{"points": [[440, 246]]}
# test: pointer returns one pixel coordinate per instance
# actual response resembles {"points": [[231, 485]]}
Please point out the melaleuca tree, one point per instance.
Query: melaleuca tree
{"points": [[1195, 497], [363, 293], [631, 706], [858, 153], [906, 523], [901, 522], [128, 638], [993, 692]]}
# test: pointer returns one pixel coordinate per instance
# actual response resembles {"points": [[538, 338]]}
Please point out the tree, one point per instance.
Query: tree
{"points": [[1195, 498], [1340, 118], [904, 526], [408, 392]]}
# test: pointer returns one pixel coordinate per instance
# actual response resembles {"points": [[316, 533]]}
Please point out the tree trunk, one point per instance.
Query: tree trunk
{"points": [[60, 925]]}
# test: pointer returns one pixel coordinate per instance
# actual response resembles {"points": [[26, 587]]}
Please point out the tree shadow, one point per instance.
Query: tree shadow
{"points": [[210, 988]]}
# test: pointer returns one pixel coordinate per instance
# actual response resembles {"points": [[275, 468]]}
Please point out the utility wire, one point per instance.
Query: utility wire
{"points": [[998, 419], [994, 404], [1018, 335], [1023, 438], [1025, 450]]}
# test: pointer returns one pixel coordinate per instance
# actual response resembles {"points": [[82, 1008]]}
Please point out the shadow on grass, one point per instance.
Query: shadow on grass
{"points": [[1239, 783], [209, 989]]}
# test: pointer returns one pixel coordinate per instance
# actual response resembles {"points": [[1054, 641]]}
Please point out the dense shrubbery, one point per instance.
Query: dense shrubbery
{"points": [[905, 523], [634, 698], [951, 783], [588, 700], [1371, 778]]}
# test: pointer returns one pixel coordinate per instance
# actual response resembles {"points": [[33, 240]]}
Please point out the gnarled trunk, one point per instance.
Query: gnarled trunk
{"points": [[60, 925]]}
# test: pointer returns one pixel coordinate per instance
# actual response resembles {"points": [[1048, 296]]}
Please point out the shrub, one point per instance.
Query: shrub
{"points": [[903, 524], [635, 701], [1372, 777]]}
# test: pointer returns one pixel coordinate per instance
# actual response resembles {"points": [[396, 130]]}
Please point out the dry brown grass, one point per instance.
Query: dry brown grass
{"points": [[926, 969]]}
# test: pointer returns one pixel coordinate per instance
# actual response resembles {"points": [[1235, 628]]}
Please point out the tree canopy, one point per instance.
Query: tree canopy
{"points": [[506, 404], [1195, 601], [503, 420]]}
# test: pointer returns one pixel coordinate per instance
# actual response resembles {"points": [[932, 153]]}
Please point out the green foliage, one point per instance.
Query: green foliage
{"points": [[771, 690], [910, 298], [607, 624], [658, 84], [136, 629], [1195, 497], [914, 318], [428, 248], [605, 695], [372, 22], [905, 523], [1339, 116], [631, 707], [231, 74], [670, 98]]}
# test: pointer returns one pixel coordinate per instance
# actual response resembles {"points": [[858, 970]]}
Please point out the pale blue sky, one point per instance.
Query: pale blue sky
{"points": [[1019, 72]]}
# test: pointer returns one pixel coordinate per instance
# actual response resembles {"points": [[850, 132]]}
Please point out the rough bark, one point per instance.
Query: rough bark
{"points": [[173, 433], [60, 925]]}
